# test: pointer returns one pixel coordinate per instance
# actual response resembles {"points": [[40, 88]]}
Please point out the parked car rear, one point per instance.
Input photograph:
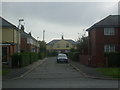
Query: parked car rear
{"points": [[62, 58]]}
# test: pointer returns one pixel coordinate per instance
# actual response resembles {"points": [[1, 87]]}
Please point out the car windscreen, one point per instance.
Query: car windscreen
{"points": [[62, 55]]}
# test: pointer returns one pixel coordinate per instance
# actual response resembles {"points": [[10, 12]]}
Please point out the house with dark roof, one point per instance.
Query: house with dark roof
{"points": [[104, 37], [28, 42], [61, 45], [10, 40]]}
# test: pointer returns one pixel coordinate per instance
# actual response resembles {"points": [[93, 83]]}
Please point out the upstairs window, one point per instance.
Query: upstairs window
{"points": [[109, 48], [109, 31], [67, 45]]}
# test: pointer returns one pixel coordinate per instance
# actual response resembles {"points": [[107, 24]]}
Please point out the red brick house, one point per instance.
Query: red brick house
{"points": [[104, 36], [28, 43]]}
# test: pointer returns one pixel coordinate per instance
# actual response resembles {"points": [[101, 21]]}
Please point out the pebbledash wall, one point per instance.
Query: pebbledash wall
{"points": [[9, 40]]}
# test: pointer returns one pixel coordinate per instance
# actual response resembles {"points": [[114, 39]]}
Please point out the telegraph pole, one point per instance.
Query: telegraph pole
{"points": [[43, 35]]}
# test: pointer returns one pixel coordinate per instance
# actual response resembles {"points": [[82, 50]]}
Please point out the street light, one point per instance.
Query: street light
{"points": [[37, 44], [18, 44]]}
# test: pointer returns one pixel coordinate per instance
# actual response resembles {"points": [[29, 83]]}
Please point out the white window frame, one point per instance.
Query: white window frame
{"points": [[109, 31], [109, 48]]}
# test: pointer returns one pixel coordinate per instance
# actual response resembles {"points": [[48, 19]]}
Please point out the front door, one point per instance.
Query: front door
{"points": [[4, 54]]}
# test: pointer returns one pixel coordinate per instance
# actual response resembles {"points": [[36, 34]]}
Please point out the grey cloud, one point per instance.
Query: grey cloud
{"points": [[70, 14]]}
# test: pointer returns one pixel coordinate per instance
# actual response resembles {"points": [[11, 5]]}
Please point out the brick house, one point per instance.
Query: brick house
{"points": [[28, 43], [104, 36], [9, 40]]}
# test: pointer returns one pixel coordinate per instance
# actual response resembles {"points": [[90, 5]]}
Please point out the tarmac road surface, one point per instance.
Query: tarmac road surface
{"points": [[51, 74]]}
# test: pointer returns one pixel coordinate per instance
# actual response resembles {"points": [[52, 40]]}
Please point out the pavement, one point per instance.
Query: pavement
{"points": [[90, 72], [20, 72]]}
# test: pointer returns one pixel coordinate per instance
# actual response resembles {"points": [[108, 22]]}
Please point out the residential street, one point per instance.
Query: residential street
{"points": [[51, 74]]}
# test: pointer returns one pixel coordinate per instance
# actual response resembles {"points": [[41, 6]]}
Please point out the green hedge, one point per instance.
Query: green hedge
{"points": [[113, 59], [74, 56], [15, 60], [33, 57], [41, 55], [23, 59]]}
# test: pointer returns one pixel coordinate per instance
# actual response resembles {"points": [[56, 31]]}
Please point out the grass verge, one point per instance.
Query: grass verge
{"points": [[4, 72], [113, 72]]}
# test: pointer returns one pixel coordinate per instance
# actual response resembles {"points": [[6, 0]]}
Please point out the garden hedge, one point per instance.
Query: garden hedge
{"points": [[113, 59], [41, 55], [23, 59], [16, 60], [74, 56]]}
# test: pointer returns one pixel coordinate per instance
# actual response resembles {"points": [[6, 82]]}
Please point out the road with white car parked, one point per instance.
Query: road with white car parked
{"points": [[51, 74]]}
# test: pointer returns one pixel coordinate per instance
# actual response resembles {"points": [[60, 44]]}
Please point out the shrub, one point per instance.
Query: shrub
{"points": [[74, 56], [25, 59], [41, 55], [15, 60], [113, 59], [33, 57]]}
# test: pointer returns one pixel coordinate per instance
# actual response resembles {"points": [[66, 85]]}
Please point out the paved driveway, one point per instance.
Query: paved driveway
{"points": [[51, 74]]}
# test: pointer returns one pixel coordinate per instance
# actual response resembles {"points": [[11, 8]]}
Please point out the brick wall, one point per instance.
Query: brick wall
{"points": [[84, 59], [24, 46], [97, 40]]}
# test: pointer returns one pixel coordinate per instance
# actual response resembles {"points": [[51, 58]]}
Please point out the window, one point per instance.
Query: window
{"points": [[67, 45], [109, 31], [109, 48], [33, 50]]}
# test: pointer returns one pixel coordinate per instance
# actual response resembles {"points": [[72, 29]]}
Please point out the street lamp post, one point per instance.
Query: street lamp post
{"points": [[37, 44], [18, 44]]}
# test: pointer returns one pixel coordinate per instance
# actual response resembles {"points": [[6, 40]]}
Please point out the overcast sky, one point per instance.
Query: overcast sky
{"points": [[57, 18]]}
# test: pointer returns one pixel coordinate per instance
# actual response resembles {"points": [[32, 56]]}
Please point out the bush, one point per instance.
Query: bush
{"points": [[15, 60], [113, 59], [33, 57], [74, 56], [23, 59], [41, 55]]}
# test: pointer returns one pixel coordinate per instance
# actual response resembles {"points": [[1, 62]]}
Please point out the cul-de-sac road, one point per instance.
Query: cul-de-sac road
{"points": [[51, 74]]}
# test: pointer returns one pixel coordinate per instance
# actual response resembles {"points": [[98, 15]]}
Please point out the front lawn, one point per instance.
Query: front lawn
{"points": [[4, 72], [113, 72]]}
